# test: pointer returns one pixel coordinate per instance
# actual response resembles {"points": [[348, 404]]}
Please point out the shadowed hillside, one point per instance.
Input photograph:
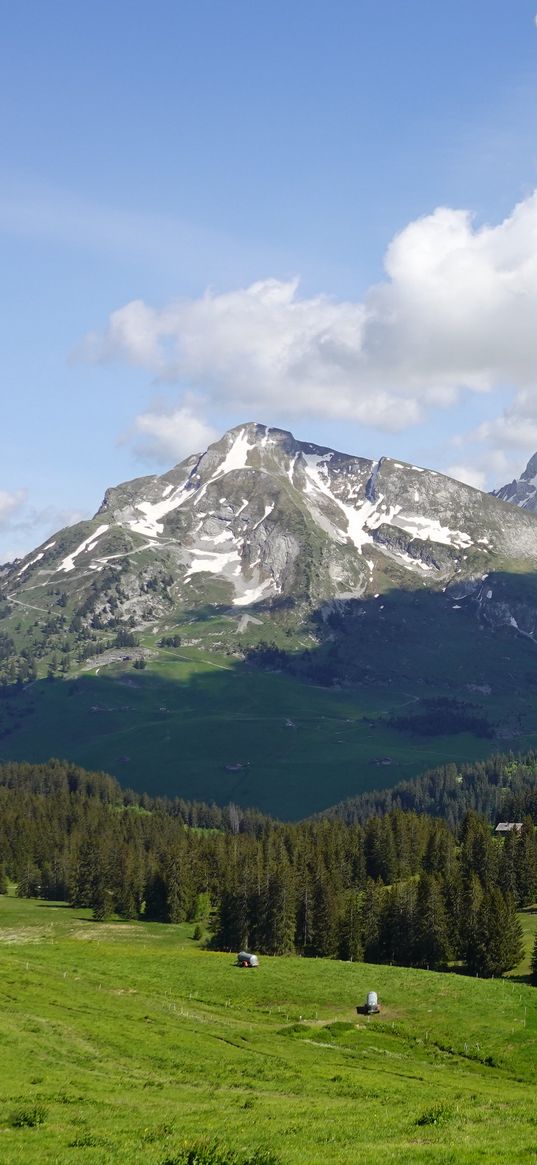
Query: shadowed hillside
{"points": [[389, 687]]}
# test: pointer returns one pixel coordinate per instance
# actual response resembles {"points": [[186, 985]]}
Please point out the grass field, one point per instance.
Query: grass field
{"points": [[183, 725], [125, 1042]]}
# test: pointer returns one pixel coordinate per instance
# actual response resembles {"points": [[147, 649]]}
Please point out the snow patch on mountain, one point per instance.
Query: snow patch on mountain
{"points": [[212, 562], [238, 454], [268, 510], [429, 529], [68, 563], [254, 594], [151, 523]]}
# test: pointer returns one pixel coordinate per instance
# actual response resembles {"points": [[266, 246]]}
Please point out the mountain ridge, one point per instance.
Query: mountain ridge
{"points": [[522, 491], [257, 482]]}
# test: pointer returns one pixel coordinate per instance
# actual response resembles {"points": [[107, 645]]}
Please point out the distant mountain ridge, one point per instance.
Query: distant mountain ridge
{"points": [[522, 491]]}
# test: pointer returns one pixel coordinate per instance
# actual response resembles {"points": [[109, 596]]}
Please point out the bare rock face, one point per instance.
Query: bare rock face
{"points": [[523, 490], [261, 518]]}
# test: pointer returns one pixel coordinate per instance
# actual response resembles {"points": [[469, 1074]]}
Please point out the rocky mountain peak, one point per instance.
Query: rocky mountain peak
{"points": [[522, 491], [262, 518]]}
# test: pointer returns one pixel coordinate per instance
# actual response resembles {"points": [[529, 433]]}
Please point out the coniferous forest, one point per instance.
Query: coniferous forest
{"points": [[400, 886]]}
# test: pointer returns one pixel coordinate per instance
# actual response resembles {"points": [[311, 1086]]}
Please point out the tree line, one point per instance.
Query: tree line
{"points": [[401, 887], [502, 786]]}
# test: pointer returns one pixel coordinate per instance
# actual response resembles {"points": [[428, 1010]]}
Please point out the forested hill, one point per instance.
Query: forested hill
{"points": [[63, 779], [403, 887], [503, 786]]}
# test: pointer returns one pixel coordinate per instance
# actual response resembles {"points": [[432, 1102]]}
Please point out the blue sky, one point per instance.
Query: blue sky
{"points": [[198, 203]]}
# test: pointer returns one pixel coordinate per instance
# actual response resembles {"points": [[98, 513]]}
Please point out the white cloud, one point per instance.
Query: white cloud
{"points": [[22, 526], [169, 434], [10, 504], [468, 474], [456, 311]]}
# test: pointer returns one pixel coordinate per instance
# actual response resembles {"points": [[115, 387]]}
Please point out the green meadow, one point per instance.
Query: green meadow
{"points": [[130, 1043], [223, 731]]}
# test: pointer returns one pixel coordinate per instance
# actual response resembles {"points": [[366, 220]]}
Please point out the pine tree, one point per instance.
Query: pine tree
{"points": [[526, 863], [304, 916], [156, 898], [233, 925], [470, 903], [431, 930], [478, 852], [534, 963], [324, 939], [397, 922], [507, 867], [29, 881], [496, 944], [176, 890], [371, 913], [350, 946], [278, 926]]}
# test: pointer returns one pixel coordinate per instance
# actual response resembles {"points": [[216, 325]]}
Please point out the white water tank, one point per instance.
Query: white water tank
{"points": [[372, 999]]}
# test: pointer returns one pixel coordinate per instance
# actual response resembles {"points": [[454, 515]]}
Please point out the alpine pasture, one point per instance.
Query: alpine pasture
{"points": [[129, 1042]]}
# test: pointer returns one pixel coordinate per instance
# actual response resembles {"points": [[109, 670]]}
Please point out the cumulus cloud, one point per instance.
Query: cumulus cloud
{"points": [[168, 433], [456, 312]]}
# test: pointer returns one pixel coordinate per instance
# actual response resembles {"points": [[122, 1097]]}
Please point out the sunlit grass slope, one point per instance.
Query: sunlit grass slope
{"points": [[127, 1040]]}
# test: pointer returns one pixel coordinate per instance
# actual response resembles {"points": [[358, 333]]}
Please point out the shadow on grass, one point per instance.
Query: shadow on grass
{"points": [[270, 739], [54, 905]]}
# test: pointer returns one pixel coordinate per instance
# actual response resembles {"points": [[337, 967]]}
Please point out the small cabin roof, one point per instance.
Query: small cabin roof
{"points": [[508, 826]]}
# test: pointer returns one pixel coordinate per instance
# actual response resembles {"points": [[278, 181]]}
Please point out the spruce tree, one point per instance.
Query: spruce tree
{"points": [[233, 925], [371, 912], [526, 863], [534, 963], [496, 945], [470, 903], [507, 866], [397, 922], [324, 939], [431, 930], [350, 946], [156, 898], [279, 914]]}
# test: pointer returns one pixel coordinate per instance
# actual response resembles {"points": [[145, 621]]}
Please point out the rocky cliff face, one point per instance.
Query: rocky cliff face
{"points": [[523, 490]]}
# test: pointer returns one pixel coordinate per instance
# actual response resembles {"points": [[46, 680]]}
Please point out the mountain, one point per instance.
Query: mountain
{"points": [[275, 622], [523, 490], [261, 517]]}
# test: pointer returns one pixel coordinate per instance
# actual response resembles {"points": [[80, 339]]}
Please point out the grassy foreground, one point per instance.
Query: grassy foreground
{"points": [[122, 1042]]}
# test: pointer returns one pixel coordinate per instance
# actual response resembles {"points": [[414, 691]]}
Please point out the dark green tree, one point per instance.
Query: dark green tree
{"points": [[372, 901], [431, 928], [279, 915], [350, 946], [324, 938], [534, 962], [496, 945]]}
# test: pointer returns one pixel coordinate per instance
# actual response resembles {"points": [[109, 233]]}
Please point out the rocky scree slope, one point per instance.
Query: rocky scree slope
{"points": [[262, 520]]}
